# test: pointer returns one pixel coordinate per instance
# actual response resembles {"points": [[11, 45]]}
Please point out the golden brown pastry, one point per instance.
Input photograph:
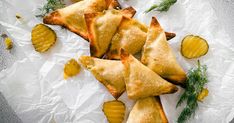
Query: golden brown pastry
{"points": [[131, 36], [102, 26], [108, 72], [170, 35], [147, 110], [72, 17], [141, 81], [159, 57]]}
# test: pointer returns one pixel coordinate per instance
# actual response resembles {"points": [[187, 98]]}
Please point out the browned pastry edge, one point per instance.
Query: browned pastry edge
{"points": [[178, 80], [162, 113], [170, 35], [90, 18], [112, 90], [113, 4], [128, 12], [87, 60], [54, 18]]}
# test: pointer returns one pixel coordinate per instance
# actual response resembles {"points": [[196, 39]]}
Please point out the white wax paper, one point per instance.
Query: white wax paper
{"points": [[35, 88]]}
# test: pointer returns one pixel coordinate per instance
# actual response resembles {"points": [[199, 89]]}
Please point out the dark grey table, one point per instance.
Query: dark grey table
{"points": [[7, 115]]}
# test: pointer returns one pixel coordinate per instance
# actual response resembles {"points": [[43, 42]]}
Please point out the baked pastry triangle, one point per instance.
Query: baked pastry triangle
{"points": [[141, 81], [131, 36], [159, 57], [108, 72], [147, 110], [102, 27], [72, 17]]}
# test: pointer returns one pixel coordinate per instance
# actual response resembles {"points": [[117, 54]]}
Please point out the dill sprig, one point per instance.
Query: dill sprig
{"points": [[50, 6], [163, 6], [196, 79]]}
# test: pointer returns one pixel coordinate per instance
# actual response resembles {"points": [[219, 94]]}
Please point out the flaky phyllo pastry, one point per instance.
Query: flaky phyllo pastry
{"points": [[147, 110], [72, 17], [141, 81], [108, 72], [159, 57], [102, 27], [131, 36]]}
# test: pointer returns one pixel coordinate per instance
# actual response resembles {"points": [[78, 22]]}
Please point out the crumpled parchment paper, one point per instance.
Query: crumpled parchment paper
{"points": [[35, 88]]}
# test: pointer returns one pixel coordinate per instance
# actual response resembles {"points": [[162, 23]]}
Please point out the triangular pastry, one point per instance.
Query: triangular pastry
{"points": [[159, 57], [141, 81], [170, 35], [131, 36], [72, 17], [147, 110], [108, 72], [102, 26]]}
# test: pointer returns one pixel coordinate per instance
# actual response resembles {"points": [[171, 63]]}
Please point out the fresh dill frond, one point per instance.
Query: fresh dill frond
{"points": [[50, 6], [196, 79], [163, 6], [151, 8]]}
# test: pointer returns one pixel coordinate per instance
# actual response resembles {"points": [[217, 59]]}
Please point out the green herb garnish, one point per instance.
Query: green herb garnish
{"points": [[196, 79], [50, 6], [163, 6]]}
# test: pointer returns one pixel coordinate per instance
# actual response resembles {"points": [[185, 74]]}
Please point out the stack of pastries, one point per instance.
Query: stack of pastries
{"points": [[115, 37]]}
